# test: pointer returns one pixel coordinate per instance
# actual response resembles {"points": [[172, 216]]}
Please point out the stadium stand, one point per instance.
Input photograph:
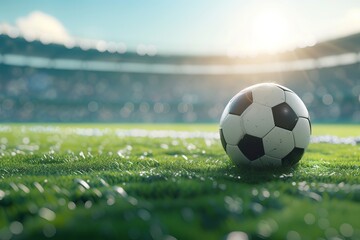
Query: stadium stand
{"points": [[56, 83]]}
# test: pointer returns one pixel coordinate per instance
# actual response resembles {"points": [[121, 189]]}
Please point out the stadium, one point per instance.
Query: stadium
{"points": [[55, 83], [101, 140]]}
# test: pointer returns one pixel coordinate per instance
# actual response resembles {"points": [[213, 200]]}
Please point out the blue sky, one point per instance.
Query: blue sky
{"points": [[197, 26]]}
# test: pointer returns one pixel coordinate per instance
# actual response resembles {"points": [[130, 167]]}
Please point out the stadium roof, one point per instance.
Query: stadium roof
{"points": [[20, 46]]}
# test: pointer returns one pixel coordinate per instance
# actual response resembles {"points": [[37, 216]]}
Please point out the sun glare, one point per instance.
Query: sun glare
{"points": [[270, 31], [265, 30]]}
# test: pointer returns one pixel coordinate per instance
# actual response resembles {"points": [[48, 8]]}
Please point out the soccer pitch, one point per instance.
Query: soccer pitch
{"points": [[171, 181]]}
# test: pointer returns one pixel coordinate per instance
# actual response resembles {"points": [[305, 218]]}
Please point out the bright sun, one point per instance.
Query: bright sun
{"points": [[270, 31], [266, 29]]}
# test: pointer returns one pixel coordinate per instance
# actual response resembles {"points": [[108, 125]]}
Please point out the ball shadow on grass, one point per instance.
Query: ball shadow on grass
{"points": [[254, 175]]}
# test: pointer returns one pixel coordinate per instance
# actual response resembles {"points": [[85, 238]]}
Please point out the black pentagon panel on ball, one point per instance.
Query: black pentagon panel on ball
{"points": [[240, 103], [252, 147], [293, 157], [223, 142], [284, 116]]}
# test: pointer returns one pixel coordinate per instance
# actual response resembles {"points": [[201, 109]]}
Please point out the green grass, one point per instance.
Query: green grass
{"points": [[60, 184]]}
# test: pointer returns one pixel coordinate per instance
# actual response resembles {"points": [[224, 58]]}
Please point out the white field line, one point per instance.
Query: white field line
{"points": [[140, 133]]}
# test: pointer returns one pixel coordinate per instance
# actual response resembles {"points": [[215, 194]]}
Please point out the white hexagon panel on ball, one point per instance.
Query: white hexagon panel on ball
{"points": [[225, 113], [232, 129], [268, 94], [278, 143], [296, 104], [302, 133], [258, 120]]}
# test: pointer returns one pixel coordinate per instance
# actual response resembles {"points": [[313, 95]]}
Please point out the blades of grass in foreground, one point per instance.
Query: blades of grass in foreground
{"points": [[63, 185]]}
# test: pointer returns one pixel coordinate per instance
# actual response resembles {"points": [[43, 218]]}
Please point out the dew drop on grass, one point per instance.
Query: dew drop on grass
{"points": [[273, 224], [346, 230], [26, 140], [331, 233], [323, 223], [62, 201], [71, 205], [233, 204], [314, 196], [208, 142], [56, 188], [47, 214], [88, 204], [164, 146], [323, 212], [82, 183], [110, 200], [103, 182], [81, 154], [24, 188], [39, 187], [237, 235], [14, 187], [264, 229], [133, 201], [293, 235], [16, 228], [254, 192], [265, 193], [5, 234], [276, 194], [49, 230], [157, 233], [120, 154], [257, 208], [2, 194], [309, 219], [89, 154], [97, 192], [120, 191], [285, 176], [144, 214], [32, 208], [4, 140]]}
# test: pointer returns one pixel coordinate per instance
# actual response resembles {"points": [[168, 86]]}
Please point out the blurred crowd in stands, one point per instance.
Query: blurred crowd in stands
{"points": [[29, 94]]}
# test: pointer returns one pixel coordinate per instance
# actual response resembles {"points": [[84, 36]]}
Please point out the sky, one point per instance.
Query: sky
{"points": [[232, 27]]}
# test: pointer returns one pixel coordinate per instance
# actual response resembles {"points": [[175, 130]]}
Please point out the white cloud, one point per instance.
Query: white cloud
{"points": [[39, 25], [9, 29], [46, 28]]}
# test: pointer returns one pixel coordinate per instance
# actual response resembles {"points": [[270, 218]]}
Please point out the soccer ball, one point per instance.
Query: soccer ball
{"points": [[265, 125]]}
